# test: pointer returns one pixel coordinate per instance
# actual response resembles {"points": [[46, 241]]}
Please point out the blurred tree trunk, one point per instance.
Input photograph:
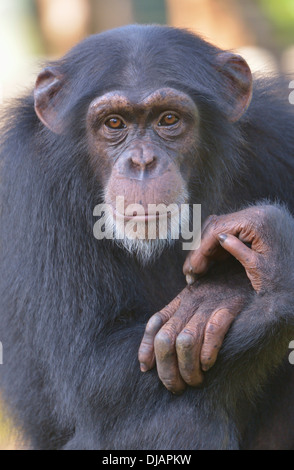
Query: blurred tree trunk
{"points": [[108, 14], [227, 23]]}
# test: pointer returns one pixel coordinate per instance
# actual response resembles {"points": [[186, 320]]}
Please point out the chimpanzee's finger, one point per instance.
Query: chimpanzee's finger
{"points": [[246, 256], [187, 268], [146, 354], [190, 278], [215, 331], [199, 261], [165, 349], [188, 347]]}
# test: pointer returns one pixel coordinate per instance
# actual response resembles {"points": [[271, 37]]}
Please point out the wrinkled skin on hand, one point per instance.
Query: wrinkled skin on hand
{"points": [[184, 338], [230, 232]]}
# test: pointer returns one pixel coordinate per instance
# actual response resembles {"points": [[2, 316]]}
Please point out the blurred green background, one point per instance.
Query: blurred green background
{"points": [[34, 30], [281, 14]]}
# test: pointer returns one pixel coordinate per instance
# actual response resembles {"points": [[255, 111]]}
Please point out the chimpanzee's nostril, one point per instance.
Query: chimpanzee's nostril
{"points": [[151, 161], [143, 162]]}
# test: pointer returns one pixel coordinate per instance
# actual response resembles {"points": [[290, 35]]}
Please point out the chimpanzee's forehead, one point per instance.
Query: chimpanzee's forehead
{"points": [[142, 55]]}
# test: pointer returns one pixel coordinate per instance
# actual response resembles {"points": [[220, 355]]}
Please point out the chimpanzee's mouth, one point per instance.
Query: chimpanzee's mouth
{"points": [[140, 218], [135, 217]]}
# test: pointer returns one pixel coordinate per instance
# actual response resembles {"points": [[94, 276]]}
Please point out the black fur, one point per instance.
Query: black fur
{"points": [[73, 309]]}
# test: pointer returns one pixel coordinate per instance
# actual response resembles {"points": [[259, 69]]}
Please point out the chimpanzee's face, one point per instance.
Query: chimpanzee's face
{"points": [[145, 145]]}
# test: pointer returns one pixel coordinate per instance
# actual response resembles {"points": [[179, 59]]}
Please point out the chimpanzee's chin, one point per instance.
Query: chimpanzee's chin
{"points": [[145, 251]]}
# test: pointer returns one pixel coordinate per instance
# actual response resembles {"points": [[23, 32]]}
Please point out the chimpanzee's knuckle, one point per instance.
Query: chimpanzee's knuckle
{"points": [[153, 324], [189, 379], [217, 324], [212, 219], [211, 328], [254, 264], [212, 223], [185, 341], [164, 342]]}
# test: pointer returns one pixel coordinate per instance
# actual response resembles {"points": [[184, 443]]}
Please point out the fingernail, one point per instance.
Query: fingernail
{"points": [[143, 368], [190, 279], [222, 237]]}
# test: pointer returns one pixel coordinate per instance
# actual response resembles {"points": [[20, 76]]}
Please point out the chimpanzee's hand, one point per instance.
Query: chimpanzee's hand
{"points": [[258, 226], [184, 337], [195, 325]]}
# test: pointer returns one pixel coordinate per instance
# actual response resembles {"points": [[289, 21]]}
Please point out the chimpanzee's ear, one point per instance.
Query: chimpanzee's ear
{"points": [[48, 94], [238, 83]]}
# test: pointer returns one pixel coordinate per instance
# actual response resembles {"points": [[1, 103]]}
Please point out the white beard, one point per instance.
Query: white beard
{"points": [[145, 249]]}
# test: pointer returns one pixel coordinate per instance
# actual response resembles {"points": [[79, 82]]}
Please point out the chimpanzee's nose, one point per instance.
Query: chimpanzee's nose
{"points": [[142, 159]]}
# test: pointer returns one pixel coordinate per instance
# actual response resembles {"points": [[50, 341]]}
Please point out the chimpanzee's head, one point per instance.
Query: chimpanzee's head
{"points": [[159, 107]]}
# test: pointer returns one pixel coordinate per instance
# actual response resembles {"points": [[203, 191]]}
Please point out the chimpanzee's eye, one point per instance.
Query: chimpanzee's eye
{"points": [[115, 123], [168, 119]]}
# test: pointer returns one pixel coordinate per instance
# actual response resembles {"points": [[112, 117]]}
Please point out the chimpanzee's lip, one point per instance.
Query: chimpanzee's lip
{"points": [[141, 218], [136, 218]]}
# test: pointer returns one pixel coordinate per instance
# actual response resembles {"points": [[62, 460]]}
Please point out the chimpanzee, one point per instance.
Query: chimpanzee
{"points": [[156, 115]]}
